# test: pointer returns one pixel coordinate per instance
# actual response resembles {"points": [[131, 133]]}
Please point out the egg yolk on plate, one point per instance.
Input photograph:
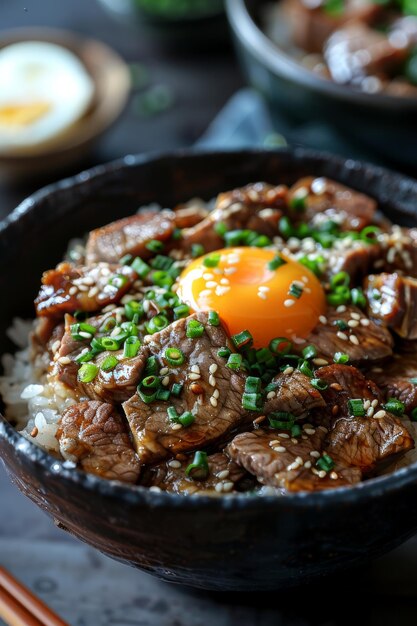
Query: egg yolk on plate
{"points": [[240, 284]]}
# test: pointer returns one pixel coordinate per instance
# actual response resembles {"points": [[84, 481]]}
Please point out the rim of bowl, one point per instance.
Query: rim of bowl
{"points": [[281, 63], [372, 488]]}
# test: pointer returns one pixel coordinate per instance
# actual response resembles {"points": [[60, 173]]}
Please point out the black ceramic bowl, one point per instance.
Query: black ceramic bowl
{"points": [[230, 543], [382, 122]]}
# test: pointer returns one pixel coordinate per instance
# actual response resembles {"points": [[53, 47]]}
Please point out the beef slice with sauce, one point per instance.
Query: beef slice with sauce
{"points": [[392, 299], [114, 386], [354, 257], [212, 392], [399, 251], [94, 435], [68, 288], [257, 207], [129, 236], [293, 394], [396, 377], [224, 476], [347, 329], [368, 442], [278, 460], [325, 197]]}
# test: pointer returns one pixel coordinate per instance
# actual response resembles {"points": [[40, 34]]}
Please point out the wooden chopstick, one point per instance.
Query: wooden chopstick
{"points": [[20, 607]]}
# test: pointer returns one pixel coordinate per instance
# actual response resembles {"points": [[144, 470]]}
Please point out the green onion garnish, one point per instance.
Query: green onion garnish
{"points": [[295, 290], [369, 234], [325, 462], [174, 356], [298, 202], [282, 420], [224, 352], [296, 430], [198, 469], [395, 406], [341, 324], [212, 260], [84, 357], [162, 279], [413, 381], [197, 250], [280, 346], [413, 415], [118, 281], [163, 394], [154, 245], [82, 331], [213, 318], [194, 330], [182, 310], [276, 262], [108, 343], [186, 419], [261, 241], [234, 361], [220, 228], [305, 369], [341, 295], [108, 325], [151, 367], [151, 382], [340, 279], [319, 383], [133, 309], [252, 384], [176, 389], [161, 262], [87, 372], [172, 414], [126, 259], [242, 339], [309, 352], [358, 297], [109, 363], [341, 358], [141, 268], [285, 227], [156, 324], [356, 407], [131, 347], [252, 401]]}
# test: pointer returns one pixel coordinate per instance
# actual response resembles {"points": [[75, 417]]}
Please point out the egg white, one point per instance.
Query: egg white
{"points": [[48, 87]]}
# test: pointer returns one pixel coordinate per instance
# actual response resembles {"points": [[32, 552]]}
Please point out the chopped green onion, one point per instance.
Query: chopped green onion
{"points": [[163, 394], [176, 389], [285, 227], [80, 316], [223, 352], [314, 265], [182, 310], [108, 325], [220, 228], [358, 297], [356, 407], [174, 356], [280, 346], [162, 262], [212, 260], [197, 250], [264, 355], [340, 279], [252, 384], [325, 463], [296, 430], [87, 372], [162, 279], [298, 202], [109, 363], [118, 281], [234, 361], [108, 343], [147, 398], [242, 339], [319, 383], [309, 352], [177, 234], [340, 296], [133, 308], [151, 382], [172, 414], [282, 420], [82, 331], [198, 469], [84, 357], [413, 381], [276, 262], [131, 347], [234, 238], [305, 369], [261, 241], [156, 324], [154, 245], [213, 318], [141, 268], [252, 401], [151, 367], [341, 324], [194, 329], [296, 290], [341, 358], [413, 415], [369, 234], [186, 419], [395, 406], [126, 259]]}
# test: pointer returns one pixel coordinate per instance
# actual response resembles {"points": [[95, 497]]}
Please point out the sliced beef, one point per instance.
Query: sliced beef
{"points": [[47, 334], [328, 199], [293, 394], [311, 25], [95, 435], [367, 442], [358, 51], [289, 463], [256, 207], [116, 385], [69, 288], [212, 392], [189, 214], [393, 300], [396, 378], [354, 257], [348, 330], [129, 236], [399, 247], [224, 476]]}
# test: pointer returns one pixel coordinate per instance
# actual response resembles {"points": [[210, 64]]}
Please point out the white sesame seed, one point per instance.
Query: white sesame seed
{"points": [[165, 381], [274, 442], [195, 369], [224, 281], [288, 370], [334, 476], [211, 284], [270, 395], [353, 323], [374, 403], [262, 295], [380, 414], [176, 427], [283, 435], [370, 411], [366, 404], [216, 393], [82, 287], [307, 464], [212, 380], [292, 466], [299, 460], [208, 276], [321, 474], [263, 288], [64, 360], [294, 440], [323, 428], [224, 474], [365, 322], [219, 487], [310, 431], [320, 362], [353, 339], [155, 489], [164, 371], [213, 401], [93, 292], [174, 464], [323, 319], [342, 335], [288, 303], [194, 376], [85, 335], [213, 368], [355, 316], [341, 308], [55, 345], [280, 449], [221, 291], [72, 291], [205, 292], [228, 486], [315, 454], [229, 270]]}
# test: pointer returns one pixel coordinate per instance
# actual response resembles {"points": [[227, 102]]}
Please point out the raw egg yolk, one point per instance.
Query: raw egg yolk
{"points": [[247, 294]]}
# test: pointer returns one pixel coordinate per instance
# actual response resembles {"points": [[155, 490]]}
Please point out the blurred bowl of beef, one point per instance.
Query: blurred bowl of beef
{"points": [[239, 542], [375, 114]]}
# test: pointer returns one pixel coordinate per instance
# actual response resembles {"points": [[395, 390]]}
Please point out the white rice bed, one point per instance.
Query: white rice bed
{"points": [[34, 402]]}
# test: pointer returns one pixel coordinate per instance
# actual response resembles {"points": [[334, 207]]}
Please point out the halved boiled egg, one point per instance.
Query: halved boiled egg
{"points": [[45, 89], [254, 289]]}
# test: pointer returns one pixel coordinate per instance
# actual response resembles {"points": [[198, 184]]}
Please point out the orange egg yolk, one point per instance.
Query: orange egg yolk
{"points": [[249, 295]]}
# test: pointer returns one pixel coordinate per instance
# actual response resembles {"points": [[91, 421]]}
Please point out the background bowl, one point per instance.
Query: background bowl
{"points": [[231, 543], [111, 79], [384, 123]]}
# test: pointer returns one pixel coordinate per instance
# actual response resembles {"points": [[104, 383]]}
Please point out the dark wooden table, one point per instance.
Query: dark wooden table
{"points": [[86, 588]]}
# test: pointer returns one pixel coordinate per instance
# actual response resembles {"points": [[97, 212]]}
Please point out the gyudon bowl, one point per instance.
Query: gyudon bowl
{"points": [[266, 530]]}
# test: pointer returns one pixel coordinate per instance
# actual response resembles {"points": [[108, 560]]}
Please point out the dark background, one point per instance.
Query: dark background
{"points": [[86, 588]]}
